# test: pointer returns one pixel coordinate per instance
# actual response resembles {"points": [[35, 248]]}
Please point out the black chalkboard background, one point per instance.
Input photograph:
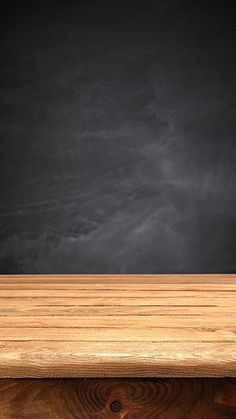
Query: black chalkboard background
{"points": [[117, 141]]}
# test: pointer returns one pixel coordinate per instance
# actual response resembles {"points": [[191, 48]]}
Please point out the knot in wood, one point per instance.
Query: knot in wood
{"points": [[115, 406]]}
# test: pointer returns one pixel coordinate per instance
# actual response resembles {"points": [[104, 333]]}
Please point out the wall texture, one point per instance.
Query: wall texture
{"points": [[117, 141]]}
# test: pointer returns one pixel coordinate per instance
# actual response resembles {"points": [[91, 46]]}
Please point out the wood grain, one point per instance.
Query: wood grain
{"points": [[118, 398], [117, 325]]}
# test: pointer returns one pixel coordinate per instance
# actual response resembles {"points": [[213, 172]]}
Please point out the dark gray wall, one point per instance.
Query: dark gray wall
{"points": [[117, 138]]}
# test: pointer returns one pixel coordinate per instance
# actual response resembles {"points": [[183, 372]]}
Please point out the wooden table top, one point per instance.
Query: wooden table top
{"points": [[117, 325]]}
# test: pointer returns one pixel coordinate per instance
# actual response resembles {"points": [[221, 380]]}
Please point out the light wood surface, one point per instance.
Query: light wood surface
{"points": [[117, 325]]}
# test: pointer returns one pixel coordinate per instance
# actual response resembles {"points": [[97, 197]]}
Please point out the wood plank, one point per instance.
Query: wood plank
{"points": [[104, 294], [131, 334], [211, 300], [98, 398], [121, 398], [116, 359], [135, 321], [122, 279], [146, 286], [110, 311]]}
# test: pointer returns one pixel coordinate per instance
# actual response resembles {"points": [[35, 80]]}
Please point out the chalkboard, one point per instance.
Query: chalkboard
{"points": [[118, 150]]}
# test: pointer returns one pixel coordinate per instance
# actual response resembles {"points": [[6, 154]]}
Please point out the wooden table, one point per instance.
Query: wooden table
{"points": [[117, 346]]}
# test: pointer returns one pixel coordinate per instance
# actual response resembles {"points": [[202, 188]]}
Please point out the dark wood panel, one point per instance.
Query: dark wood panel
{"points": [[118, 398]]}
